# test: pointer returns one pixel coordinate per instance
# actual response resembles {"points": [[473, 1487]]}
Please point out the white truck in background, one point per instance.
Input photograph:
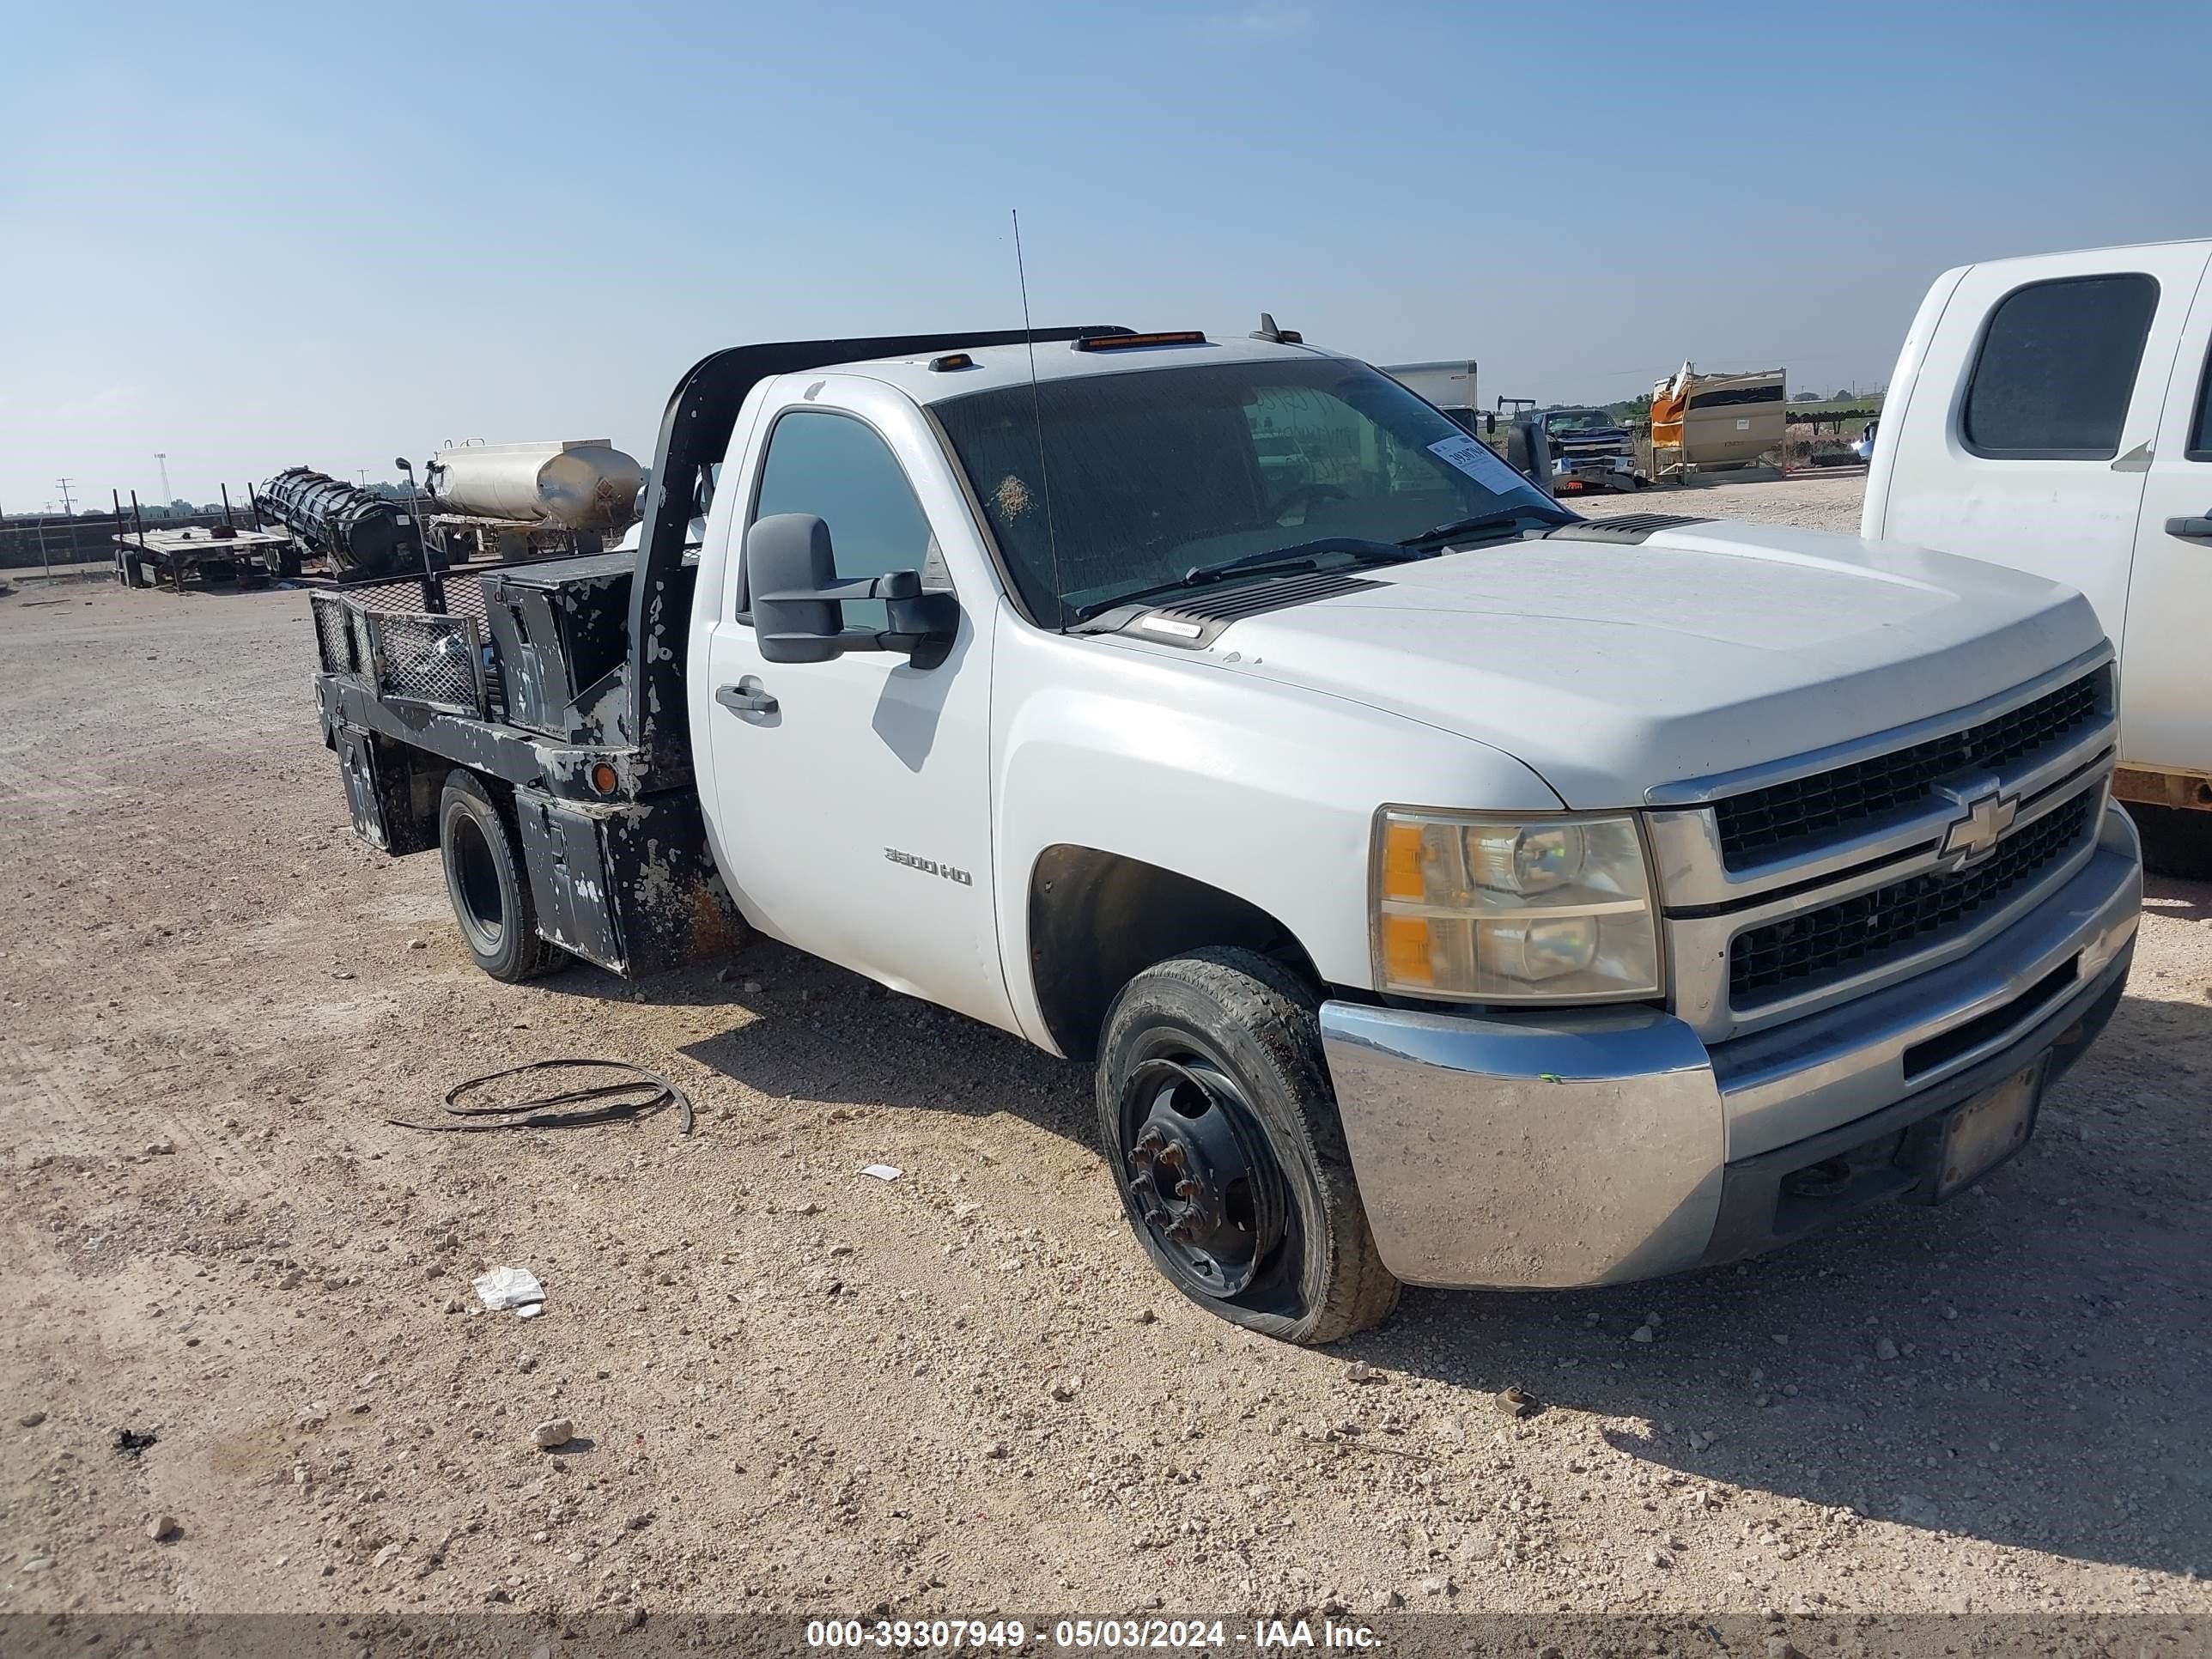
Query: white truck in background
{"points": [[1449, 386], [2054, 414], [1448, 889]]}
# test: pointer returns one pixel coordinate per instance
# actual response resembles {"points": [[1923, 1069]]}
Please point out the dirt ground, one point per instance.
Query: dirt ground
{"points": [[793, 1387]]}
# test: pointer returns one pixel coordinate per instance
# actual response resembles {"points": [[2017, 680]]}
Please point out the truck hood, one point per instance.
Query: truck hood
{"points": [[1612, 668]]}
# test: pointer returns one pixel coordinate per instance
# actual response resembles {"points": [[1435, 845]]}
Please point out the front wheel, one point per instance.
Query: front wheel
{"points": [[1217, 1119]]}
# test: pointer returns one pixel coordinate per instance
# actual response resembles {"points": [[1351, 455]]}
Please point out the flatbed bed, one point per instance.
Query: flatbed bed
{"points": [[146, 558]]}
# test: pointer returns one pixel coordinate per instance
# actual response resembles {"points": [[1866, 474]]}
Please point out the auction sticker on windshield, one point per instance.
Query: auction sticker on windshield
{"points": [[1469, 455]]}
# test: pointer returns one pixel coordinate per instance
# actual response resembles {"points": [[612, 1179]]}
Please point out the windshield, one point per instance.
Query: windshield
{"points": [[1154, 471], [1578, 420]]}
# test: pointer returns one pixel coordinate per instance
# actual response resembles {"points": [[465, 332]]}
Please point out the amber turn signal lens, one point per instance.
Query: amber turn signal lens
{"points": [[603, 778], [1402, 861], [1406, 951]]}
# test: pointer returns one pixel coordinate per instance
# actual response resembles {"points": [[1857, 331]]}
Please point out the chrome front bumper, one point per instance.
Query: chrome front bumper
{"points": [[1564, 1148]]}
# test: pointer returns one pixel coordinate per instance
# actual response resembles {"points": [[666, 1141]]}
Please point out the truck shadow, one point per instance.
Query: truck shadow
{"points": [[820, 1034], [2024, 1366], [2186, 901]]}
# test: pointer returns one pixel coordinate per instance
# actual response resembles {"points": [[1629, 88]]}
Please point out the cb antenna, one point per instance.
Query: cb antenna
{"points": [[1036, 414]]}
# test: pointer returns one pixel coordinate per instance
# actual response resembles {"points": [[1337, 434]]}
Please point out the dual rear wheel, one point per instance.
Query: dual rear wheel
{"points": [[482, 849]]}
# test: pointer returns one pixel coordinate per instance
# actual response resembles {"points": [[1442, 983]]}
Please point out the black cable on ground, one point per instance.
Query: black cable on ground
{"points": [[640, 1094]]}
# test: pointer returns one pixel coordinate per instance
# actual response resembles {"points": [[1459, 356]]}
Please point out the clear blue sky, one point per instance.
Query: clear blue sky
{"points": [[253, 236]]}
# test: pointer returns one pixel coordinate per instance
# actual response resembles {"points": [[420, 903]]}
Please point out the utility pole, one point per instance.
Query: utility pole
{"points": [[69, 511]]}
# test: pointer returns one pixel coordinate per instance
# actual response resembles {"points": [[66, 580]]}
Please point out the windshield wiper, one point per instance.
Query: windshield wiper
{"points": [[1444, 533], [1303, 555]]}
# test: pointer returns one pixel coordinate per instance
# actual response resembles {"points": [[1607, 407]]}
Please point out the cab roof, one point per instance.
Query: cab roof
{"points": [[990, 368]]}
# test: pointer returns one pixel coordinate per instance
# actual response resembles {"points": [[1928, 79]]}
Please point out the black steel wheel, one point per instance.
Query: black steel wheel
{"points": [[1216, 1112], [486, 882], [1209, 1192]]}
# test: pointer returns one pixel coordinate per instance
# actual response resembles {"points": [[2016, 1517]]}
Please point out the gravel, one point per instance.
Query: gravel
{"points": [[182, 889]]}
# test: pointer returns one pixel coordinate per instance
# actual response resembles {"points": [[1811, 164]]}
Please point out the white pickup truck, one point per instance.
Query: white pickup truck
{"points": [[2054, 414], [1450, 890]]}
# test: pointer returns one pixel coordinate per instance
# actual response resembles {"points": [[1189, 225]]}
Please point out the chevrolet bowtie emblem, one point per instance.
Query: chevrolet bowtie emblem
{"points": [[1974, 835]]}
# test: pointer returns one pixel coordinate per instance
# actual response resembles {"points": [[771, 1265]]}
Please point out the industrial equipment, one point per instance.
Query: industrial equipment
{"points": [[1702, 422], [519, 500], [362, 535]]}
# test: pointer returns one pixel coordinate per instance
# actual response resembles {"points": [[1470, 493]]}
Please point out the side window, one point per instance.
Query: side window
{"points": [[2058, 367], [2200, 436], [836, 468]]}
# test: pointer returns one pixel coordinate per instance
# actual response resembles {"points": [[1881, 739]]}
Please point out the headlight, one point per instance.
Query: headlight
{"points": [[1484, 909]]}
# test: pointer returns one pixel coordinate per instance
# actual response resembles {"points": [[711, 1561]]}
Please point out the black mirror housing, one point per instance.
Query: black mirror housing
{"points": [[787, 561], [797, 603], [1528, 451]]}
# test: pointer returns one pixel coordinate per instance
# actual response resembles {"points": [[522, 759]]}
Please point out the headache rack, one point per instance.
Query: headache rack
{"points": [[561, 681], [433, 662]]}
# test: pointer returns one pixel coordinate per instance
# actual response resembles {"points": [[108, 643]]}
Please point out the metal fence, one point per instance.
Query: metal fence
{"points": [[81, 538]]}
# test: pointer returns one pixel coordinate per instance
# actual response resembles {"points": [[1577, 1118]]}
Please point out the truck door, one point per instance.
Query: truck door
{"points": [[2027, 436], [2166, 682], [852, 813]]}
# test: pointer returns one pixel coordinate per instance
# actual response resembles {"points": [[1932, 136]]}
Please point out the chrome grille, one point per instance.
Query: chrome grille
{"points": [[1827, 803], [1800, 953]]}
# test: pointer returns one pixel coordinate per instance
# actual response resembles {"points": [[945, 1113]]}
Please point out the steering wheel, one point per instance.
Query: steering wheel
{"points": [[1309, 493]]}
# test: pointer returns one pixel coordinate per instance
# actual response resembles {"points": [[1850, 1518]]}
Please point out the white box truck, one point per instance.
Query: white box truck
{"points": [[1449, 386]]}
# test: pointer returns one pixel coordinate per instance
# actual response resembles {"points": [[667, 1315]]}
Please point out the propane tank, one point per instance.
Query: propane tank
{"points": [[580, 484]]}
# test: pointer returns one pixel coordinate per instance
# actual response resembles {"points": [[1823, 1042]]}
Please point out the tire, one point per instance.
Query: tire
{"points": [[1223, 1048], [2177, 841], [483, 855]]}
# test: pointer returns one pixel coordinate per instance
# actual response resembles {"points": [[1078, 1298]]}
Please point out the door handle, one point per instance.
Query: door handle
{"points": [[2191, 530], [746, 698]]}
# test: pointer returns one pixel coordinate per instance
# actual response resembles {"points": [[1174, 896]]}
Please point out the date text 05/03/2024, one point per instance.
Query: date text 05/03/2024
{"points": [[1086, 1635]]}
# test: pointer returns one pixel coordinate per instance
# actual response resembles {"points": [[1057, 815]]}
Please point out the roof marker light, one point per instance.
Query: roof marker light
{"points": [[1130, 342]]}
